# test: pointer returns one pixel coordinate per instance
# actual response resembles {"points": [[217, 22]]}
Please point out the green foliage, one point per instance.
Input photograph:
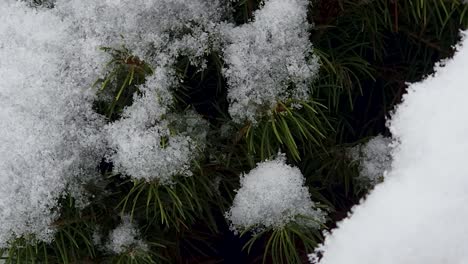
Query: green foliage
{"points": [[125, 73], [288, 129], [244, 10], [136, 256], [73, 240], [370, 49], [172, 206], [289, 244]]}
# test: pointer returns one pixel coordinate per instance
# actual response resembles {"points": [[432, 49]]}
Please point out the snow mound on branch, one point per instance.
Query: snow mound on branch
{"points": [[272, 195], [156, 31], [374, 159], [418, 215], [269, 59], [51, 141], [49, 135], [125, 237], [146, 146], [145, 143]]}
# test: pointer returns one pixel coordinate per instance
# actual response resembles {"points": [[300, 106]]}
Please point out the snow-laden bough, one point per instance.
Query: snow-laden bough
{"points": [[272, 195], [51, 140], [49, 136], [269, 60]]}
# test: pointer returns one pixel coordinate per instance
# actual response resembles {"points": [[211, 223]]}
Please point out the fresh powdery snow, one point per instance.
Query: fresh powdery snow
{"points": [[125, 237], [272, 195], [374, 158], [269, 59], [157, 31], [49, 136], [51, 141], [138, 137], [418, 214]]}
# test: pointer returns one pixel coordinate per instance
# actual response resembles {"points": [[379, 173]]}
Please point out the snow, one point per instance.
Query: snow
{"points": [[51, 141], [49, 136], [418, 214], [157, 32], [149, 143], [272, 195], [269, 59], [374, 158], [125, 237]]}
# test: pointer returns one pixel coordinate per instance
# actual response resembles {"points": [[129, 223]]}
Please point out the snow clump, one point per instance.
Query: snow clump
{"points": [[50, 141], [272, 195], [146, 145], [269, 60], [125, 237], [374, 158]]}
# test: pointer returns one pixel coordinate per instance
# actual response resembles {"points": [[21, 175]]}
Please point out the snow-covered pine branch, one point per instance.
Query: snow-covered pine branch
{"points": [[125, 237], [269, 60], [50, 140], [272, 195]]}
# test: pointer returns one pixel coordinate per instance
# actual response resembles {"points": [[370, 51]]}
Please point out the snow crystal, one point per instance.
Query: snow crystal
{"points": [[49, 136], [272, 195], [269, 59], [125, 237], [97, 237], [50, 139], [418, 214], [374, 158], [154, 30], [149, 142], [145, 143]]}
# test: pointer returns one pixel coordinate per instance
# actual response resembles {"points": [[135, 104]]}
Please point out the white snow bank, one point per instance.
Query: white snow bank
{"points": [[418, 214]]}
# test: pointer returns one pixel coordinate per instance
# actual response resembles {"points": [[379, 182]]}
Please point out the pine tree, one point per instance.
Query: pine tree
{"points": [[172, 131]]}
